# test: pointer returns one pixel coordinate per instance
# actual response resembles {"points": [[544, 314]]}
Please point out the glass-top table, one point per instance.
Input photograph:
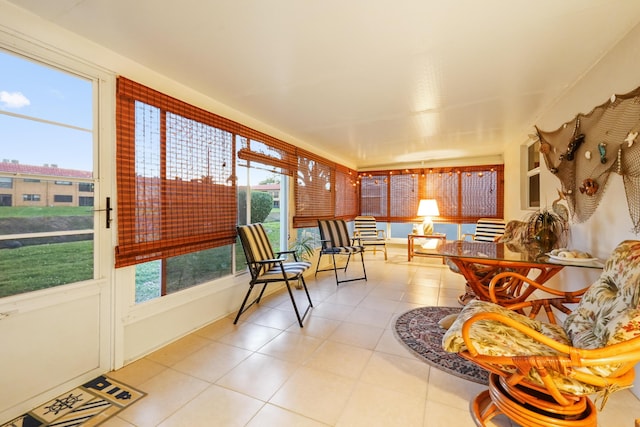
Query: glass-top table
{"points": [[479, 262]]}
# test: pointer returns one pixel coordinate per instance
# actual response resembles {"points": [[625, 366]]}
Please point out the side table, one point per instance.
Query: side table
{"points": [[414, 250]]}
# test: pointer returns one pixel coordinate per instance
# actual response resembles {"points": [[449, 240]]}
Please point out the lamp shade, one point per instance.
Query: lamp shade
{"points": [[428, 207]]}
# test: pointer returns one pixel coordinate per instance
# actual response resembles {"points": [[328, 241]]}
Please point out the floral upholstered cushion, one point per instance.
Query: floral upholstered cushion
{"points": [[494, 338], [615, 291], [625, 327], [497, 339]]}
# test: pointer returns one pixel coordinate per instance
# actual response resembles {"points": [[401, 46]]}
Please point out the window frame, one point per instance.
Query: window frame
{"points": [[528, 173]]}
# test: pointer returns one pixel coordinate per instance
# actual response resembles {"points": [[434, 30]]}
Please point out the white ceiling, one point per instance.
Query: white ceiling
{"points": [[374, 82]]}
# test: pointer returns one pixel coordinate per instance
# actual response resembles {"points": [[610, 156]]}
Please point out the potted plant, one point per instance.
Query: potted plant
{"points": [[303, 246], [548, 229], [303, 249]]}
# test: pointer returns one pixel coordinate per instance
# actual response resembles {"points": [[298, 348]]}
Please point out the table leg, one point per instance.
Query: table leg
{"points": [[479, 272]]}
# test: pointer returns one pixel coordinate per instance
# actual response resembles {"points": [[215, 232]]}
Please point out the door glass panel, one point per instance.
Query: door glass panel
{"points": [[46, 176]]}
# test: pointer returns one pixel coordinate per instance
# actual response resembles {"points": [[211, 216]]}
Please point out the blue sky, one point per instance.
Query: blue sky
{"points": [[34, 90]]}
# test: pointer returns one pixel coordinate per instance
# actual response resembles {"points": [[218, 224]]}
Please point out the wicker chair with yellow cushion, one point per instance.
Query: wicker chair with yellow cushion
{"points": [[542, 373]]}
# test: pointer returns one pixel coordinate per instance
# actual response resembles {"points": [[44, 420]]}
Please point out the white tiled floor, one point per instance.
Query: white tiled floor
{"points": [[344, 368]]}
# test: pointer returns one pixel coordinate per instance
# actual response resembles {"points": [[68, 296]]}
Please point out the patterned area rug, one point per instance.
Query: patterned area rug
{"points": [[418, 329], [85, 406]]}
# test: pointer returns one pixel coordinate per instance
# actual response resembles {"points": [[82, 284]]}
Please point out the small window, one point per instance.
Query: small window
{"points": [[85, 187], [6, 182], [31, 197], [63, 182], [62, 198], [85, 201]]}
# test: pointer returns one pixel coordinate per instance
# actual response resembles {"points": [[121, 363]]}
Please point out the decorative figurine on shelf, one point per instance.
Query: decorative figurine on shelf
{"points": [[573, 146], [589, 186]]}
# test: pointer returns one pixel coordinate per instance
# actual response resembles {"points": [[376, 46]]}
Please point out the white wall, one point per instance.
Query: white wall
{"points": [[617, 72]]}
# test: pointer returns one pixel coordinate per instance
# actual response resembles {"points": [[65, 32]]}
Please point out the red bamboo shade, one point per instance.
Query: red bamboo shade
{"points": [[464, 194], [314, 190], [346, 194], [175, 169]]}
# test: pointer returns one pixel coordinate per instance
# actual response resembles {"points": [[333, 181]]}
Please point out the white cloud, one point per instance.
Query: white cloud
{"points": [[13, 99]]}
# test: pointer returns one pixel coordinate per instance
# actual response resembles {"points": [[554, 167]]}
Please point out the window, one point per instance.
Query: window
{"points": [[177, 203], [62, 198], [179, 193], [175, 177], [323, 190], [48, 124], [85, 187], [531, 175], [314, 195], [63, 183], [346, 194], [31, 197], [373, 195], [85, 201], [464, 194]]}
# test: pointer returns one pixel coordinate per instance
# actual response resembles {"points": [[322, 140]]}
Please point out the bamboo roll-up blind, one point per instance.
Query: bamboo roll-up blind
{"points": [[314, 190], [175, 169], [346, 194], [464, 194]]}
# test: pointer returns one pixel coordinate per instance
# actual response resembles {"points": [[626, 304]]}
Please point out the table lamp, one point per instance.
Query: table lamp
{"points": [[428, 208]]}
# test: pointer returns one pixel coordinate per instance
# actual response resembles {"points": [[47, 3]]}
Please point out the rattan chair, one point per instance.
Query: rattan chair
{"points": [[542, 373], [335, 240], [266, 267]]}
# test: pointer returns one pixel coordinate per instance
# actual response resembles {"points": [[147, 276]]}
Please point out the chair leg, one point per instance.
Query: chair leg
{"points": [[293, 301], [335, 268], [306, 291], [318, 264], [347, 263], [246, 297], [364, 270]]}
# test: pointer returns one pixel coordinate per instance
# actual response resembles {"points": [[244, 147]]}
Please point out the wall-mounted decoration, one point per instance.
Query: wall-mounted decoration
{"points": [[610, 130]]}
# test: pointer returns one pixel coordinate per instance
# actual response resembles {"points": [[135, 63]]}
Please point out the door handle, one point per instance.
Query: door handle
{"points": [[108, 210]]}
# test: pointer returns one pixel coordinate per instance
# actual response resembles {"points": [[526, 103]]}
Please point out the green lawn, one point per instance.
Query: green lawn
{"points": [[31, 268]]}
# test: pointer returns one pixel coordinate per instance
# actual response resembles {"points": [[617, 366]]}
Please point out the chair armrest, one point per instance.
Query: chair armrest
{"points": [[465, 235], [288, 252], [269, 261]]}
